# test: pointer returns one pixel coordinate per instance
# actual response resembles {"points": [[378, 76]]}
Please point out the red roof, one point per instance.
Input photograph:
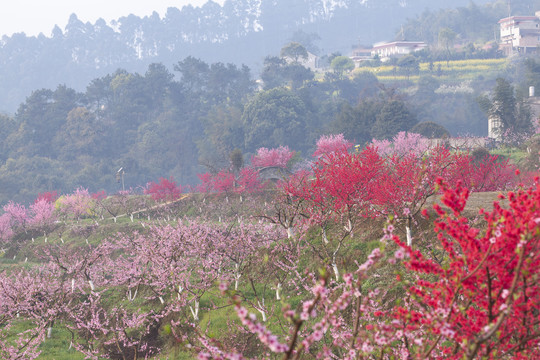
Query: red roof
{"points": [[518, 18], [399, 43]]}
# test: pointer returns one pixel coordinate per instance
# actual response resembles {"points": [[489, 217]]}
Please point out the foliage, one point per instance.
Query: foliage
{"points": [[341, 65], [154, 123], [430, 130], [394, 117], [276, 116], [294, 51], [514, 115]]}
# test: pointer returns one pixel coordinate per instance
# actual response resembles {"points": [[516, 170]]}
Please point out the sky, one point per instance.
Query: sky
{"points": [[35, 16]]}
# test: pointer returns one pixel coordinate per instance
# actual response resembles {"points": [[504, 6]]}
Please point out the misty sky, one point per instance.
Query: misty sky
{"points": [[35, 16]]}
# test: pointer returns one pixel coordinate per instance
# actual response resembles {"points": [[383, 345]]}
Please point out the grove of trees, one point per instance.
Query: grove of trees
{"points": [[344, 258]]}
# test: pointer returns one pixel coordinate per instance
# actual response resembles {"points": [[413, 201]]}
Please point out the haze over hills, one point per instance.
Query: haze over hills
{"points": [[239, 32]]}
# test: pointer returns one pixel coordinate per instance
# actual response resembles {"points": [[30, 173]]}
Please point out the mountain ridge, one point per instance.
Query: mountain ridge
{"points": [[239, 31]]}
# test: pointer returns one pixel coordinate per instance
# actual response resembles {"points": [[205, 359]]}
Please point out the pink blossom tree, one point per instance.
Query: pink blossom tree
{"points": [[18, 215], [402, 144], [42, 215], [279, 157], [75, 205], [6, 230], [331, 143]]}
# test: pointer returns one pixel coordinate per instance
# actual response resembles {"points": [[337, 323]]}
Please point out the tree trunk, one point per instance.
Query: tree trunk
{"points": [[195, 311]]}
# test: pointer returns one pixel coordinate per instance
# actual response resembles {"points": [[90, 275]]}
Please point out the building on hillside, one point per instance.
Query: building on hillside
{"points": [[386, 50], [361, 54], [520, 34]]}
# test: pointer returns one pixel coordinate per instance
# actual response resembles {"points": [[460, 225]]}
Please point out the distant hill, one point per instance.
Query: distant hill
{"points": [[240, 31]]}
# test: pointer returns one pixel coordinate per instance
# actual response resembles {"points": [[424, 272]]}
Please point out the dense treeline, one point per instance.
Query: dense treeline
{"points": [[190, 121], [154, 125]]}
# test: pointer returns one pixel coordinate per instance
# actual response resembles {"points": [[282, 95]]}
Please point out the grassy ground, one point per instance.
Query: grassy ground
{"points": [[454, 71]]}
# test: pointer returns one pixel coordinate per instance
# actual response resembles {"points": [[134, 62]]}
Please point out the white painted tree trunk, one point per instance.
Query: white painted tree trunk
{"points": [[161, 300], [336, 270], [130, 297], [290, 232], [180, 289], [325, 239], [195, 310], [49, 332], [131, 217], [261, 310], [91, 285], [409, 235], [237, 276], [278, 291], [348, 228], [72, 285]]}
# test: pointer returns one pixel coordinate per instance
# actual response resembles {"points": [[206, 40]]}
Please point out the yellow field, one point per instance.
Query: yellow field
{"points": [[455, 70]]}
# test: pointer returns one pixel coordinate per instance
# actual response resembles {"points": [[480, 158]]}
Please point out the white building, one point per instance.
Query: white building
{"points": [[520, 34], [386, 50]]}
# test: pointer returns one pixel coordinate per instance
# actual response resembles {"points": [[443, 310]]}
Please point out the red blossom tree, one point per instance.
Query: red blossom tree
{"points": [[206, 185], [164, 190], [223, 182], [49, 196], [482, 301], [248, 181]]}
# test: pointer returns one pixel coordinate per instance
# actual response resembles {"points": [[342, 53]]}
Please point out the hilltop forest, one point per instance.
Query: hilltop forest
{"points": [[239, 32]]}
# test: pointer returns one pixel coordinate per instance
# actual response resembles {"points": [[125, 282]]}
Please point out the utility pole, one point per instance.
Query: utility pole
{"points": [[120, 177]]}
